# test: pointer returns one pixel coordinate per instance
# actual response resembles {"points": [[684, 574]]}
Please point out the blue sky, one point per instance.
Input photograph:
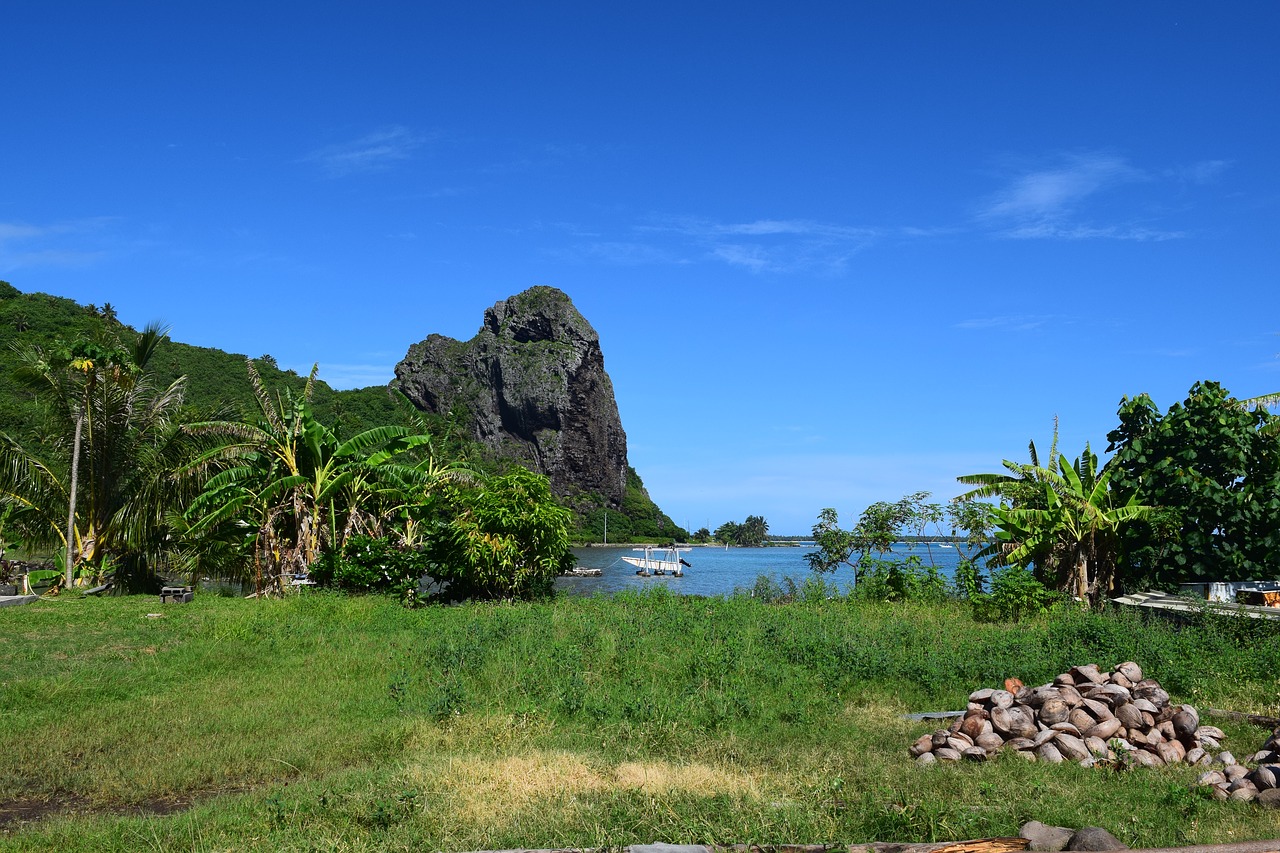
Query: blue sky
{"points": [[835, 252]]}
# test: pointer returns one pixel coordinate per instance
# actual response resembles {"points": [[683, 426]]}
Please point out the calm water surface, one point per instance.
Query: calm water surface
{"points": [[716, 571]]}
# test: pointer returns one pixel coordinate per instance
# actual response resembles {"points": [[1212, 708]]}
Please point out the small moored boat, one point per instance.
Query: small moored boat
{"points": [[659, 561]]}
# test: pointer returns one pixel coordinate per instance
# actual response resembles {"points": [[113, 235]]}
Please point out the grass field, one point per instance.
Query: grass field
{"points": [[330, 723]]}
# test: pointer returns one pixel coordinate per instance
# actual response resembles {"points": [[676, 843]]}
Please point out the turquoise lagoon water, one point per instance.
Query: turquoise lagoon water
{"points": [[716, 571]]}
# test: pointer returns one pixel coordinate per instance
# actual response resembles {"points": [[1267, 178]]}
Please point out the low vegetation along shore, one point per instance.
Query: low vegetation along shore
{"points": [[321, 721]]}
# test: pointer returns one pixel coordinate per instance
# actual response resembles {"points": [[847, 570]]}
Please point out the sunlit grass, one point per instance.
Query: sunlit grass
{"points": [[324, 722]]}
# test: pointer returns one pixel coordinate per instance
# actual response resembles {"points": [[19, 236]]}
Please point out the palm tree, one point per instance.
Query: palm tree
{"points": [[98, 485]]}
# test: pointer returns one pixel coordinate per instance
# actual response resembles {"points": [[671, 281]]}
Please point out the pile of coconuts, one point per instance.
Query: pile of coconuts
{"points": [[1117, 718], [1237, 782]]}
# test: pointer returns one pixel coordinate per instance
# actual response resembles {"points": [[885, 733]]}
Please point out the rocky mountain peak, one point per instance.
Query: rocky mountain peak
{"points": [[533, 386]]}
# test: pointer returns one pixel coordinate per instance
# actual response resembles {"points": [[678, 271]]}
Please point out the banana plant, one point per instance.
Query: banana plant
{"points": [[289, 489], [1074, 537]]}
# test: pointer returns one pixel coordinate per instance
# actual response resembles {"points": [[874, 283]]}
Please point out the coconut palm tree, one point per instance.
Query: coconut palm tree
{"points": [[98, 486]]}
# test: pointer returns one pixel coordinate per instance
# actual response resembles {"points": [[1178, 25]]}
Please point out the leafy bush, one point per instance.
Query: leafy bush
{"points": [[900, 580], [507, 539], [369, 564], [1015, 593]]}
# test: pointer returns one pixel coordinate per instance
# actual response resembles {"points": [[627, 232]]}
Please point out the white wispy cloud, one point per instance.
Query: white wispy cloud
{"points": [[75, 243], [1204, 172], [620, 253], [373, 152], [1066, 231], [1010, 322], [771, 245], [1055, 192], [1074, 198]]}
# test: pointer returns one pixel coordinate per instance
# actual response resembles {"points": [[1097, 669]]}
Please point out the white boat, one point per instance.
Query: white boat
{"points": [[659, 561]]}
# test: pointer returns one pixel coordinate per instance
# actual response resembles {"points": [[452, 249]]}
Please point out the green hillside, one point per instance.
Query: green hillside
{"points": [[217, 382]]}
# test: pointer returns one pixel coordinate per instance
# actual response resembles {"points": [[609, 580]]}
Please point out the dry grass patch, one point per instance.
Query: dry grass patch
{"points": [[478, 787]]}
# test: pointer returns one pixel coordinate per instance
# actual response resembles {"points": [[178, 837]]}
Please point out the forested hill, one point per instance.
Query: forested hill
{"points": [[218, 385], [216, 380]]}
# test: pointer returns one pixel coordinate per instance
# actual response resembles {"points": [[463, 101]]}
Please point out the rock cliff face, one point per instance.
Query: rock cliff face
{"points": [[532, 384]]}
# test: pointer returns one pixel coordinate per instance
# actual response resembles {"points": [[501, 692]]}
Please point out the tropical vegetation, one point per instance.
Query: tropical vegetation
{"points": [[1192, 494]]}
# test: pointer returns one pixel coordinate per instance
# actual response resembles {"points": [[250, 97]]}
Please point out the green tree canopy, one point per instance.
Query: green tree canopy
{"points": [[1212, 466]]}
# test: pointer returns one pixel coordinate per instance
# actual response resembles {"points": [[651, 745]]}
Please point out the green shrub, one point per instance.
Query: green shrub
{"points": [[367, 564], [900, 580]]}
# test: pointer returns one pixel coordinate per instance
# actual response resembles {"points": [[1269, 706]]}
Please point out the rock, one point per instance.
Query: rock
{"points": [[1147, 758], [1131, 671], [1044, 736], [1151, 690], [533, 386], [1000, 699], [1015, 721], [1098, 710], [1171, 752], [1054, 711], [1185, 725], [989, 742], [972, 725], [1094, 838], [1266, 776], [1046, 838], [1211, 731], [1104, 729], [1097, 746], [1081, 719], [923, 744], [1213, 777], [1089, 672], [1129, 715], [1072, 748]]}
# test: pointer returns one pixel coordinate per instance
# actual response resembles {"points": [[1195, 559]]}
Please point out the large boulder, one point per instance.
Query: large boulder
{"points": [[531, 385]]}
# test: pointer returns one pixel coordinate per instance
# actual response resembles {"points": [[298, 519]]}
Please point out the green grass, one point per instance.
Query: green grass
{"points": [[322, 722]]}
